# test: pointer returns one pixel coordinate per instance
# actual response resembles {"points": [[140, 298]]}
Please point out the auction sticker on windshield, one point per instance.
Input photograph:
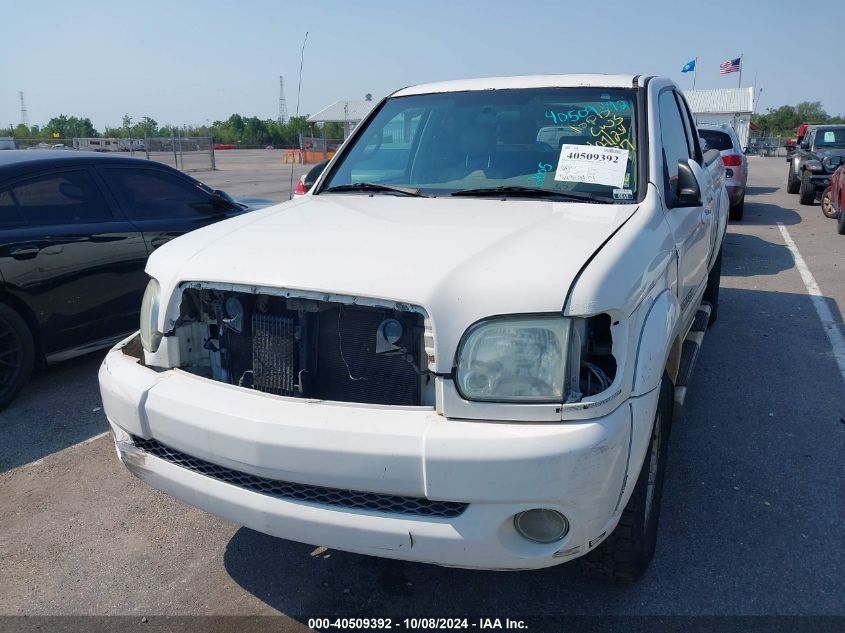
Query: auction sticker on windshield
{"points": [[592, 164]]}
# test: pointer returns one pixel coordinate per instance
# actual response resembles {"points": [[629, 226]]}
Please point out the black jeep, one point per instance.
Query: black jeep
{"points": [[821, 151]]}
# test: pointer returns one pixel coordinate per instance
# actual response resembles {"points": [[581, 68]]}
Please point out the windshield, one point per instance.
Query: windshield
{"points": [[834, 137], [556, 140]]}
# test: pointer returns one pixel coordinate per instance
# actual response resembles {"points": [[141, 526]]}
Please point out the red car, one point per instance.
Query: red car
{"points": [[836, 195], [833, 198]]}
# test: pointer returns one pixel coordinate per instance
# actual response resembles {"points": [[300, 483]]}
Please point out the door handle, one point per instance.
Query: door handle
{"points": [[159, 241], [24, 252]]}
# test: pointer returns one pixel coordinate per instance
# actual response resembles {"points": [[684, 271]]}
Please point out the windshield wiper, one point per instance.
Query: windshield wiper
{"points": [[375, 186], [529, 192]]}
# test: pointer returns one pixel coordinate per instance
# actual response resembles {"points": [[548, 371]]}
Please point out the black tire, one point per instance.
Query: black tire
{"points": [[737, 209], [17, 354], [793, 184], [807, 193], [827, 204], [626, 553], [711, 292]]}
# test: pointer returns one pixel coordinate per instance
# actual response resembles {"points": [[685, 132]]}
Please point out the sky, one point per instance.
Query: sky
{"points": [[192, 61]]}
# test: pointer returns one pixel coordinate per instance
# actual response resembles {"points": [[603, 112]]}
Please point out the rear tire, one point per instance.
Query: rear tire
{"points": [[17, 354], [827, 204], [792, 181], [807, 192], [626, 553], [711, 292], [737, 209]]}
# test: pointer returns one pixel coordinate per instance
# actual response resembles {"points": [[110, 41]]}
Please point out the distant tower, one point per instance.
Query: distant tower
{"points": [[24, 115], [283, 106]]}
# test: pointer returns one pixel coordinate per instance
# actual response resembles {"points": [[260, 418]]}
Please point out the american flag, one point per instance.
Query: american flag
{"points": [[730, 66]]}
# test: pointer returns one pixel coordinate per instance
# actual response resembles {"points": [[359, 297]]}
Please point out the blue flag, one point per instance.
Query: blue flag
{"points": [[688, 67]]}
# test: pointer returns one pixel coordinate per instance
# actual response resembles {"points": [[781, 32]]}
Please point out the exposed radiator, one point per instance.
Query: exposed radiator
{"points": [[274, 352]]}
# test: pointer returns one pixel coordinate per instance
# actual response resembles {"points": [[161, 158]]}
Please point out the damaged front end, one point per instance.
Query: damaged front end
{"points": [[304, 347]]}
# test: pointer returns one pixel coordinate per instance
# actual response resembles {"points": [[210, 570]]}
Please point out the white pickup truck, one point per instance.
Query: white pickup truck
{"points": [[464, 346]]}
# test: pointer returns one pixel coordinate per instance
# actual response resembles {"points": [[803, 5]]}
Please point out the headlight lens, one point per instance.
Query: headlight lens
{"points": [[832, 162], [515, 359], [813, 165], [150, 336]]}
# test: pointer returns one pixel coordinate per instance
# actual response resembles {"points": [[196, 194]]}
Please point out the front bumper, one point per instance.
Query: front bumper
{"points": [[821, 181], [498, 469]]}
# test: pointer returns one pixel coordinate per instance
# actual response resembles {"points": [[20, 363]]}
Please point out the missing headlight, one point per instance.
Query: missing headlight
{"points": [[595, 360]]}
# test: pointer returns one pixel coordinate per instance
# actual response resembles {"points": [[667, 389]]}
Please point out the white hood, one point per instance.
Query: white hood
{"points": [[461, 259]]}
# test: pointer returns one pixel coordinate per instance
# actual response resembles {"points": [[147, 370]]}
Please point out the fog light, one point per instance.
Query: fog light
{"points": [[541, 525]]}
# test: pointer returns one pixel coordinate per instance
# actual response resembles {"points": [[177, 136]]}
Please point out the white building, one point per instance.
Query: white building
{"points": [[347, 113], [731, 106]]}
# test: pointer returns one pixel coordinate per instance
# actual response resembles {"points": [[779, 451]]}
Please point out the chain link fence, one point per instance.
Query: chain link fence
{"points": [[766, 146], [40, 143], [316, 149], [188, 153]]}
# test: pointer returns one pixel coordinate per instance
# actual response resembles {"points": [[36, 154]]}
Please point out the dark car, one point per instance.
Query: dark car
{"points": [[75, 232], [821, 151]]}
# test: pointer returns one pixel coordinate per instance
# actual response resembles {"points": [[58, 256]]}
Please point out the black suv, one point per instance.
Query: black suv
{"points": [[822, 150], [75, 232]]}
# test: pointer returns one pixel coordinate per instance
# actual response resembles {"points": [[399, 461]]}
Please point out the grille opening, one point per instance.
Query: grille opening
{"points": [[355, 499], [305, 348]]}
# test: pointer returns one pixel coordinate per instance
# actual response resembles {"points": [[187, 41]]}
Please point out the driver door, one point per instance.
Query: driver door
{"points": [[692, 227]]}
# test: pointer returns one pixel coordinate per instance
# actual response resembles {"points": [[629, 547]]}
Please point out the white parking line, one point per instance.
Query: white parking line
{"points": [[831, 327], [66, 448]]}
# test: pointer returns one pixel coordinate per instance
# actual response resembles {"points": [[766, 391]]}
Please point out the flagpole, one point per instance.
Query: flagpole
{"points": [[739, 85], [694, 72]]}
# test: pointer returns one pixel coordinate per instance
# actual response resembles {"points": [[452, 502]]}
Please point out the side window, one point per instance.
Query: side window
{"points": [[10, 214], [688, 125], [151, 194], [68, 197], [674, 138]]}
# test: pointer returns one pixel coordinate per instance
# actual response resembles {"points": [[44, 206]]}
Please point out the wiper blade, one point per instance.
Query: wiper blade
{"points": [[375, 186], [529, 192]]}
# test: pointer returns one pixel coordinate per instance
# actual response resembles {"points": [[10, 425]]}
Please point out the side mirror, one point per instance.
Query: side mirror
{"points": [[805, 145], [222, 200], [689, 192]]}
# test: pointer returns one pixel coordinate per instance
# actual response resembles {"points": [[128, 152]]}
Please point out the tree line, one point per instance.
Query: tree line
{"points": [[241, 130], [236, 130], [784, 121]]}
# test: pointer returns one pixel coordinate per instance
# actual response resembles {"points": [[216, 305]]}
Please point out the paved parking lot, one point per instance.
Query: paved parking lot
{"points": [[252, 172], [752, 514]]}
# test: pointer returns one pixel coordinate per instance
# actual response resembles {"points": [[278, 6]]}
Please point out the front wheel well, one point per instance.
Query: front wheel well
{"points": [[31, 321]]}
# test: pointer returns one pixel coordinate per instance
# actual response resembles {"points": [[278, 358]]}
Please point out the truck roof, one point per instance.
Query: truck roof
{"points": [[526, 81]]}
